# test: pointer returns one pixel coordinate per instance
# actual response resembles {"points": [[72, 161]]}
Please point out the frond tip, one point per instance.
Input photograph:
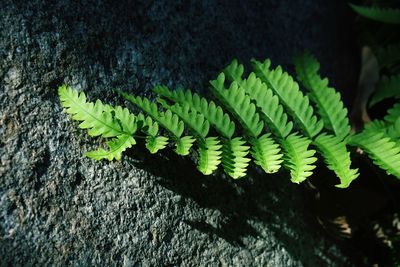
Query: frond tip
{"points": [[101, 120], [327, 100], [386, 15], [337, 158], [298, 158], [209, 155], [116, 147], [383, 151]]}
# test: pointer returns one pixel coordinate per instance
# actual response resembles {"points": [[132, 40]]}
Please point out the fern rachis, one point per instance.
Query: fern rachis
{"points": [[263, 104]]}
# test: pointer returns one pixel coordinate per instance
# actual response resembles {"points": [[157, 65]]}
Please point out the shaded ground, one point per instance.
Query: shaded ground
{"points": [[57, 207]]}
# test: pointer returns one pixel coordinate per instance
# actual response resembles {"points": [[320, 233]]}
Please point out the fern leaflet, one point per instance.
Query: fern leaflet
{"points": [[386, 15], [154, 142], [298, 158], [337, 158], [387, 87], [296, 104], [234, 159], [388, 56], [393, 114], [236, 100], [213, 113], [271, 111], [167, 120], [330, 107], [116, 146], [93, 117], [382, 150]]}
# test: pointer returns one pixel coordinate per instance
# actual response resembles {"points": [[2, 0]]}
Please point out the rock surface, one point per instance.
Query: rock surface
{"points": [[59, 208]]}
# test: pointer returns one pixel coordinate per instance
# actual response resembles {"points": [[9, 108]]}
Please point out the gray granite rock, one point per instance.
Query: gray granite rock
{"points": [[59, 208]]}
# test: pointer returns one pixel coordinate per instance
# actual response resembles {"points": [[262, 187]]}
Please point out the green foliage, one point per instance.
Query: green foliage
{"points": [[327, 100], [337, 158], [101, 120], [263, 105], [239, 104], [213, 113], [386, 15], [388, 56], [381, 149], [296, 104], [387, 87], [298, 158]]}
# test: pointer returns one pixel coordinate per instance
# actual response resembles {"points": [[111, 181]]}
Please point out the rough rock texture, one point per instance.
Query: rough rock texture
{"points": [[59, 208]]}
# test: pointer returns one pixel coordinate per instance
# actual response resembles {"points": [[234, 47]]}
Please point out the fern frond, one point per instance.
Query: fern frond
{"points": [[116, 146], [126, 119], [154, 142], [234, 159], [192, 119], [213, 113], [328, 102], [266, 153], [297, 157], [337, 158], [386, 15], [296, 104], [388, 56], [387, 87], [184, 144], [393, 114], [393, 131], [234, 72], [209, 155], [166, 119], [239, 104], [93, 117], [209, 148], [268, 103], [382, 150]]}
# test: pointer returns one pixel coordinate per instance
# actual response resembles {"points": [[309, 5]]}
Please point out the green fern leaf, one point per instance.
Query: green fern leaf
{"points": [[213, 113], [234, 72], [209, 155], [330, 107], [166, 119], [234, 159], [296, 104], [268, 103], [393, 131], [298, 158], [154, 142], [393, 114], [183, 145], [387, 87], [386, 15], [126, 119], [239, 104], [116, 147], [382, 150], [266, 153], [93, 117], [333, 149], [195, 121], [388, 56]]}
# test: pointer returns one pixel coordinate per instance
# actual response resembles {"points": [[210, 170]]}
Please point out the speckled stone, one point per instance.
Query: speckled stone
{"points": [[58, 208]]}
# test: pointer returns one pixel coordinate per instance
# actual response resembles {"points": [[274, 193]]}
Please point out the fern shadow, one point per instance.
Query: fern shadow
{"points": [[258, 199]]}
